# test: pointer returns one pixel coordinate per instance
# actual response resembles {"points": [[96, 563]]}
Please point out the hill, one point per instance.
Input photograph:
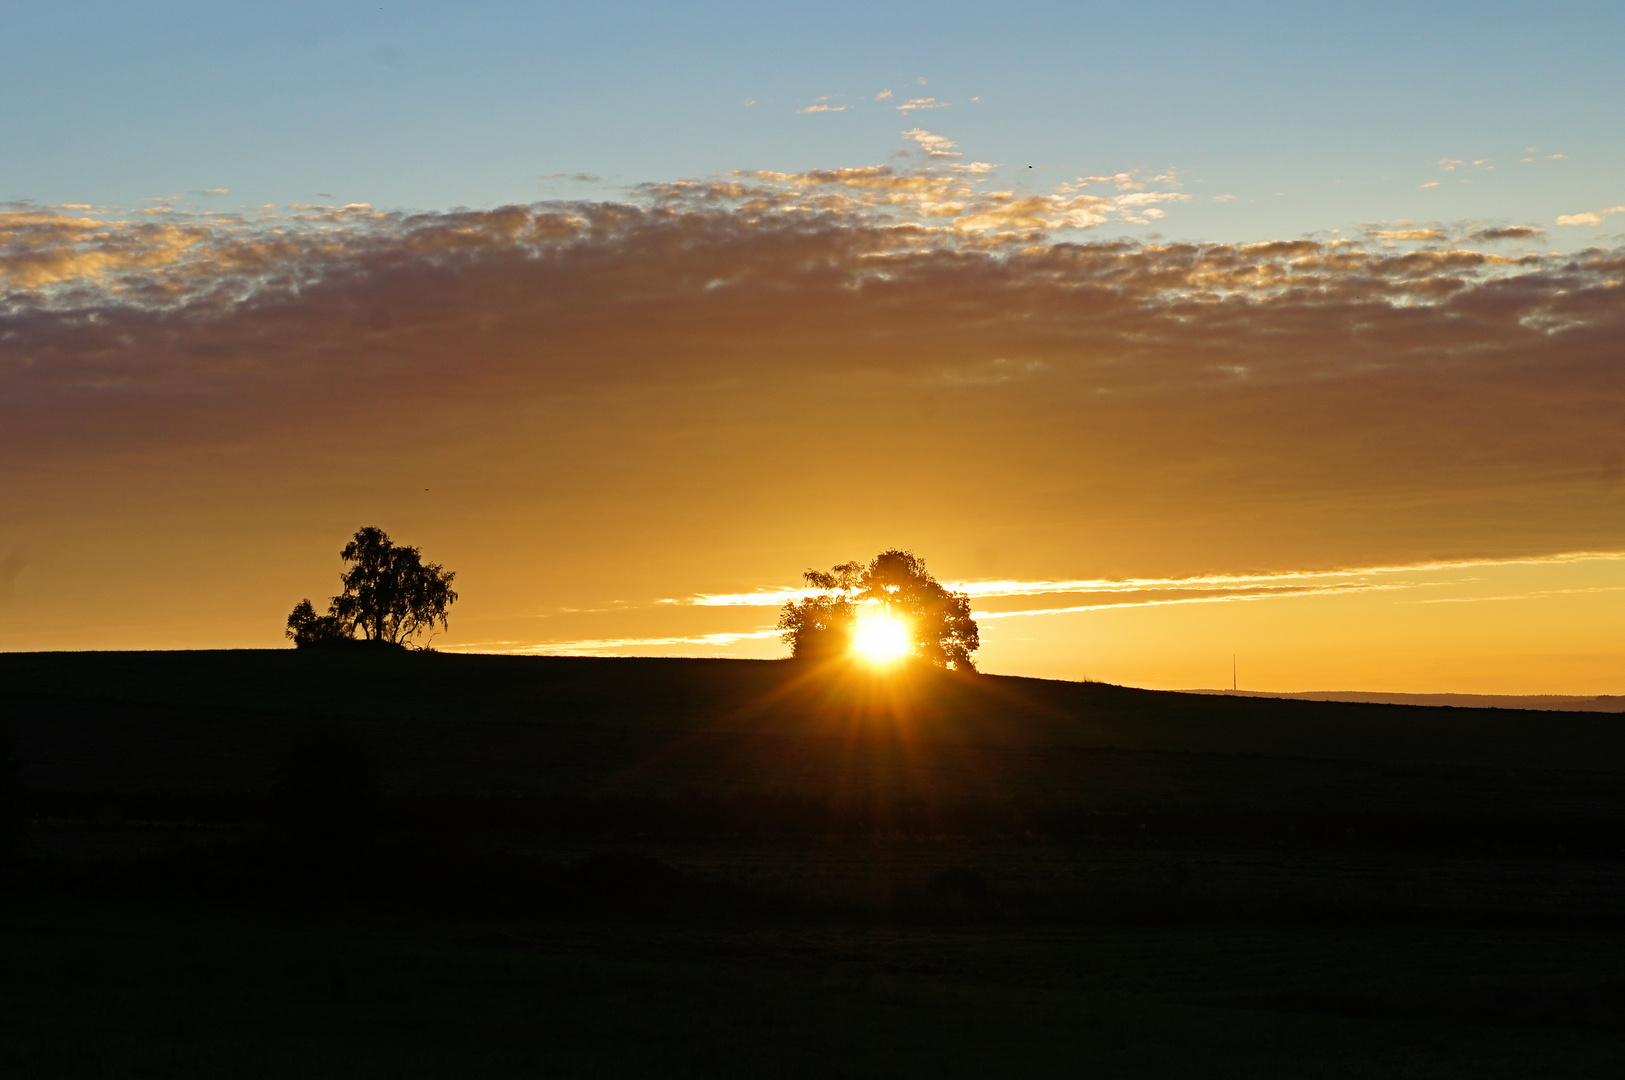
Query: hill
{"points": [[925, 747], [423, 864], [1549, 702]]}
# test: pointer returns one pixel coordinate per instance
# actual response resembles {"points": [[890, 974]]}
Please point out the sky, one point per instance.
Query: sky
{"points": [[1171, 333]]}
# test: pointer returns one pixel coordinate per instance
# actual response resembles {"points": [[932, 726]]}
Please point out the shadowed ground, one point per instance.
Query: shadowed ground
{"points": [[658, 867]]}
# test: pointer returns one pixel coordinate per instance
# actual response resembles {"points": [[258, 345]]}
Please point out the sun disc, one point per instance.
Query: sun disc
{"points": [[881, 640]]}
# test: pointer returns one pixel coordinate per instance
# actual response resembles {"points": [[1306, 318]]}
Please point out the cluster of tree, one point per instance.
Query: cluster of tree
{"points": [[390, 596], [895, 585]]}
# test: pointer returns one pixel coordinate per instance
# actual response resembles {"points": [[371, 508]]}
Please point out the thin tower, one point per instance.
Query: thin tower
{"points": [[1233, 672]]}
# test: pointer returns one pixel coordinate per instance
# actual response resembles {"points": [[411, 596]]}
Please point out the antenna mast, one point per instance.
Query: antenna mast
{"points": [[1233, 671]]}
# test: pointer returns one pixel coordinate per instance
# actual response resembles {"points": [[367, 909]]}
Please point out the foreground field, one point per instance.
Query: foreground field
{"points": [[625, 867]]}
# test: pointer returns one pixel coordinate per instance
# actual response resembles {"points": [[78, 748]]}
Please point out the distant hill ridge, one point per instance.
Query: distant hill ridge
{"points": [[1547, 702]]}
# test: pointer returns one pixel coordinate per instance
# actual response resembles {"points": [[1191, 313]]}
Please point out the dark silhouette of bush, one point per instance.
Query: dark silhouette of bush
{"points": [[310, 630], [326, 795], [390, 596]]}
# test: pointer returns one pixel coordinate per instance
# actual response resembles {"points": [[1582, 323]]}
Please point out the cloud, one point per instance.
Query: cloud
{"points": [[1493, 233], [884, 95], [1224, 198], [217, 191], [824, 108], [1431, 183], [1429, 233], [640, 390], [685, 645], [1589, 217], [936, 146], [921, 103]]}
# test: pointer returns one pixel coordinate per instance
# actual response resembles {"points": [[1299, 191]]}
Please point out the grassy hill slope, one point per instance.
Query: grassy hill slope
{"points": [[925, 747]]}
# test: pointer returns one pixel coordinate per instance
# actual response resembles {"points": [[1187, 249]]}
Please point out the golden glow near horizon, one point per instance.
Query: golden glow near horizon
{"points": [[881, 639], [1137, 458]]}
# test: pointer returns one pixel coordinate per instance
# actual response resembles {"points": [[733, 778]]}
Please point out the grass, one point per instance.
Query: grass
{"points": [[95, 989], [674, 868]]}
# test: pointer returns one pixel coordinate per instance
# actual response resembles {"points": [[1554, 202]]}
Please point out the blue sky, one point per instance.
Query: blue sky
{"points": [[1313, 116]]}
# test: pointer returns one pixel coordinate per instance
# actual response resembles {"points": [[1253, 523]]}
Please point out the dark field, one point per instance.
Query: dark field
{"points": [[375, 864]]}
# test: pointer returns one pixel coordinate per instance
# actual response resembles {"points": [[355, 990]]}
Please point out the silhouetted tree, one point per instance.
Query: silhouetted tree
{"points": [[939, 620], [307, 628], [390, 596], [820, 627]]}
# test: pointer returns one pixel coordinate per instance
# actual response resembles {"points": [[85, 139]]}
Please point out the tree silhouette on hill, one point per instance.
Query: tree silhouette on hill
{"points": [[894, 586], [390, 596]]}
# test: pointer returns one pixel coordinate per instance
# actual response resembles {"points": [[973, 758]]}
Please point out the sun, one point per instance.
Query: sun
{"points": [[881, 639]]}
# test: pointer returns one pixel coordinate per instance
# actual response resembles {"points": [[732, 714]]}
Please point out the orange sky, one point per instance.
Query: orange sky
{"points": [[588, 408]]}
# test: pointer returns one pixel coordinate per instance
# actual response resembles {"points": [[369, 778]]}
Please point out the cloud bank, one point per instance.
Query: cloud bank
{"points": [[713, 383]]}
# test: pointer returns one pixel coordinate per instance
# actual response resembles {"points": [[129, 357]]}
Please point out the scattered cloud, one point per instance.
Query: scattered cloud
{"points": [[884, 95], [685, 645], [1589, 217], [936, 146], [824, 108], [921, 103], [921, 80], [1224, 198], [1491, 234], [749, 102], [1431, 183], [1431, 232], [974, 168]]}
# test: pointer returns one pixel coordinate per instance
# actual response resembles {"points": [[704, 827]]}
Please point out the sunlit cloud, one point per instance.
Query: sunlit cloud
{"points": [[700, 644], [1095, 595], [936, 146], [1217, 585], [1589, 217], [1409, 234], [921, 103]]}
